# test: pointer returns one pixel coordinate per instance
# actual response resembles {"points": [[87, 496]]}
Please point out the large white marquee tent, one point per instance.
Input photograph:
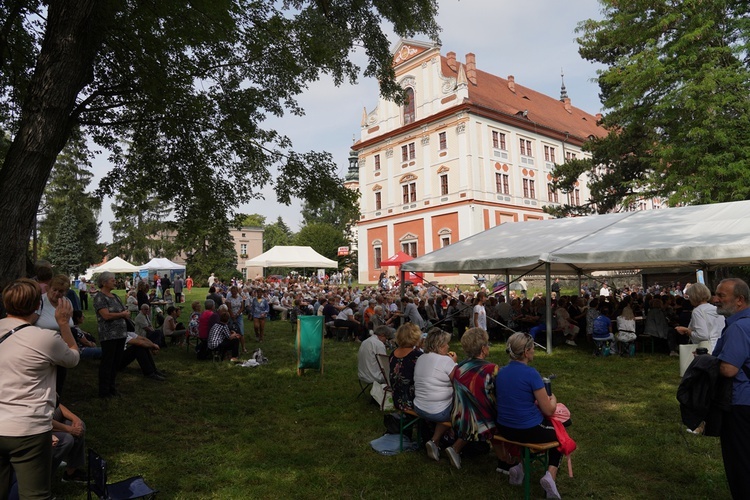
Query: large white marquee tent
{"points": [[291, 256], [693, 237]]}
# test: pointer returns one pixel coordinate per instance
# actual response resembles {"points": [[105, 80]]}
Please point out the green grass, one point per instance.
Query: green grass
{"points": [[221, 431]]}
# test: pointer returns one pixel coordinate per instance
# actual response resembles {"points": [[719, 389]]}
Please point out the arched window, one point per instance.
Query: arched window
{"points": [[409, 115]]}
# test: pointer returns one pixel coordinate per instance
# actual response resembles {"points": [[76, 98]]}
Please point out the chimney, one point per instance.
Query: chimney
{"points": [[599, 117], [512, 83], [452, 61], [471, 68], [568, 108]]}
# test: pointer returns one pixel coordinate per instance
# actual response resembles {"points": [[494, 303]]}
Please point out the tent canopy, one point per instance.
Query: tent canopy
{"points": [[396, 259], [701, 236], [161, 264], [115, 265], [291, 256]]}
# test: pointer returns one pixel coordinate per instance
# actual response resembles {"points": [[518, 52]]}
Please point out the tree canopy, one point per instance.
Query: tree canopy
{"points": [[187, 86], [675, 91]]}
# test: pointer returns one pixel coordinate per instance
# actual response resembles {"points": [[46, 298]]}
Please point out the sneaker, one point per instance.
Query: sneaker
{"points": [[503, 467], [571, 342], [549, 486], [516, 474], [432, 450], [156, 377], [454, 457], [78, 476], [674, 354]]}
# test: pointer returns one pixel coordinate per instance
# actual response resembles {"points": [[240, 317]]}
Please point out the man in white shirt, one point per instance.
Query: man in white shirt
{"points": [[604, 292], [368, 368], [367, 364]]}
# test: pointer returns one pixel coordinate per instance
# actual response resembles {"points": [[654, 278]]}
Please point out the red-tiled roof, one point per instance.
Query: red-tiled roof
{"points": [[492, 92]]}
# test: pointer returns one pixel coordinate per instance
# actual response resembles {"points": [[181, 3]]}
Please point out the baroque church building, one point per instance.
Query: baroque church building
{"points": [[468, 151]]}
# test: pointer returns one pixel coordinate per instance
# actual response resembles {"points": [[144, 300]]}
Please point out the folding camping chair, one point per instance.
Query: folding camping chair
{"points": [[133, 487]]}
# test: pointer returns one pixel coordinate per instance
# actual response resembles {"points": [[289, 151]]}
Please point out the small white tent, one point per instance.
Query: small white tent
{"points": [[291, 256], [116, 265]]}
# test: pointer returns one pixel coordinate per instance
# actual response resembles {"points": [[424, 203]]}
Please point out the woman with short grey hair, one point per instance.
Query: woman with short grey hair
{"points": [[705, 322], [110, 320]]}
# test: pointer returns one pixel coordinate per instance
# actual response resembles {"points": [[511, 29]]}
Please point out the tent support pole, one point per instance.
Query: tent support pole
{"points": [[548, 305], [580, 284], [507, 286]]}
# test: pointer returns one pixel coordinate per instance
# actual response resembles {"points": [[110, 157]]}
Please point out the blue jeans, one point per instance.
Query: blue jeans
{"points": [[90, 352], [443, 416]]}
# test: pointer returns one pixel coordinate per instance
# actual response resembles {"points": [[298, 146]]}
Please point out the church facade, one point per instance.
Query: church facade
{"points": [[468, 151]]}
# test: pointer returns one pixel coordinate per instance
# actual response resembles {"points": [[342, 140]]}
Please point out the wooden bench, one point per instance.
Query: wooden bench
{"points": [[531, 453], [415, 418], [341, 333]]}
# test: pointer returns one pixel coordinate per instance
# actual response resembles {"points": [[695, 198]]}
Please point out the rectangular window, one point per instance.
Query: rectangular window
{"points": [[549, 154], [528, 188], [498, 140], [409, 192], [443, 140], [243, 248], [408, 152], [576, 198], [378, 201], [551, 194], [444, 184], [526, 147], [445, 241], [570, 156], [377, 162], [377, 252], [409, 248], [502, 183]]}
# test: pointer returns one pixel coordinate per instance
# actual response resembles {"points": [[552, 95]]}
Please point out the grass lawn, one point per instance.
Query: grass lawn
{"points": [[221, 431]]}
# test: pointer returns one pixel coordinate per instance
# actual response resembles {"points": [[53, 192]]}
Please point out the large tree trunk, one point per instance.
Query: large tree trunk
{"points": [[73, 35]]}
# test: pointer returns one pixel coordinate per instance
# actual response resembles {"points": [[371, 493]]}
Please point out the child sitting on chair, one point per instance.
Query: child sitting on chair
{"points": [[602, 333], [626, 331]]}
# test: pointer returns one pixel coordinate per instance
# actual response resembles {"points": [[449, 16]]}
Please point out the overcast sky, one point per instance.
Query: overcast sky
{"points": [[531, 40]]}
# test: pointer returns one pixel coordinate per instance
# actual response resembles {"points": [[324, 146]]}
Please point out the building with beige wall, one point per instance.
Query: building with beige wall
{"points": [[468, 151], [248, 243]]}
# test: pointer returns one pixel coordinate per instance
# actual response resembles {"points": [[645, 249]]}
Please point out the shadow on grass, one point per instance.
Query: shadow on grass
{"points": [[215, 430]]}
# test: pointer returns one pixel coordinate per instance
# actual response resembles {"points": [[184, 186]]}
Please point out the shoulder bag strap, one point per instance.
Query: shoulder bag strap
{"points": [[20, 327]]}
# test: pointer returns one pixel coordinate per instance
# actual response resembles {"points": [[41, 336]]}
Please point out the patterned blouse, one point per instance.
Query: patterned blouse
{"points": [[474, 409], [109, 329], [402, 379]]}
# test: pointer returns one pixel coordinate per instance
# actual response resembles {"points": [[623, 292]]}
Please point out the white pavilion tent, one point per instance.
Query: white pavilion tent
{"points": [[291, 256], [692, 237]]}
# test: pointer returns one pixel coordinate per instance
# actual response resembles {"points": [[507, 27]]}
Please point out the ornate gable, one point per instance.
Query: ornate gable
{"points": [[409, 49]]}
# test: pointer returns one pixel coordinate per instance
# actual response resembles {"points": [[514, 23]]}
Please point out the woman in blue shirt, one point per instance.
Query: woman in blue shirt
{"points": [[524, 408], [259, 307]]}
